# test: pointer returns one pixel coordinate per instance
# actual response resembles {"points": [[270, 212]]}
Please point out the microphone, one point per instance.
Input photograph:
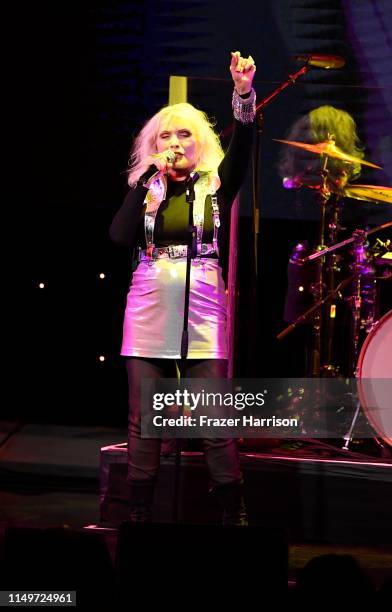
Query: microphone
{"points": [[167, 155], [321, 61]]}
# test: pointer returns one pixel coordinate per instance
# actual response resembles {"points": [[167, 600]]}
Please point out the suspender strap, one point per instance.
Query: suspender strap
{"points": [[216, 221], [207, 184]]}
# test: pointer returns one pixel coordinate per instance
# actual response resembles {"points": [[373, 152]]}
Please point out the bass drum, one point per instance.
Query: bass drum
{"points": [[374, 373]]}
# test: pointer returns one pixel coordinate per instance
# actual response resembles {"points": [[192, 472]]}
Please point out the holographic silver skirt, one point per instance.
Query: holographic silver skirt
{"points": [[154, 312]]}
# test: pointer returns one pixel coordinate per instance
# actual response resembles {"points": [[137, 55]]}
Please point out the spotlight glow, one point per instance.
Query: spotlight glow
{"points": [[102, 275], [41, 285], [300, 288], [102, 358]]}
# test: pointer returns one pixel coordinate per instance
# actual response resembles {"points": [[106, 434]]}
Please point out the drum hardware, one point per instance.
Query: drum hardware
{"points": [[356, 297], [356, 308], [382, 259], [301, 261], [361, 271], [337, 292], [318, 289], [349, 435], [368, 312], [363, 277], [343, 243], [322, 352], [321, 358], [332, 267]]}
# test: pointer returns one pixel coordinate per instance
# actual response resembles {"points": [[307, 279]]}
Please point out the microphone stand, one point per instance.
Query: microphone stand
{"points": [[256, 195], [191, 254], [256, 161]]}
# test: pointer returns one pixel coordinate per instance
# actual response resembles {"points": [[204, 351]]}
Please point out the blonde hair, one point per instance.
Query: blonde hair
{"points": [[317, 126], [328, 121], [210, 152]]}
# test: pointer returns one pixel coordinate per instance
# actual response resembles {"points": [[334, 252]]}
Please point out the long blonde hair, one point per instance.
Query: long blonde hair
{"points": [[317, 126], [330, 121], [210, 152]]}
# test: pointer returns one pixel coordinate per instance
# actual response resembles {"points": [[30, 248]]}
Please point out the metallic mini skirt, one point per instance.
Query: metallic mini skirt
{"points": [[154, 313]]}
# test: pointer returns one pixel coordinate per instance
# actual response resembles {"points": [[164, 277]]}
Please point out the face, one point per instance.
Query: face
{"points": [[178, 137]]}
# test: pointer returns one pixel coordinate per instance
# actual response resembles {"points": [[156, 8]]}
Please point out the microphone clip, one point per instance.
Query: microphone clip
{"points": [[190, 187]]}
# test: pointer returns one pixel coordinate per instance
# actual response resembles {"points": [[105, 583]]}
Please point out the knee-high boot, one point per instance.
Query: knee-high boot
{"points": [[141, 494], [230, 497]]}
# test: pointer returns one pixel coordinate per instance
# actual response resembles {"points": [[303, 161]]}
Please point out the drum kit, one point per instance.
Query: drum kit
{"points": [[369, 267]]}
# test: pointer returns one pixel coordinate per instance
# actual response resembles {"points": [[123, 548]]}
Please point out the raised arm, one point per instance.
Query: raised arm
{"points": [[232, 169]]}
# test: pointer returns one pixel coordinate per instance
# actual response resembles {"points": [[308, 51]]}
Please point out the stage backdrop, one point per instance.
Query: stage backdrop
{"points": [[93, 72]]}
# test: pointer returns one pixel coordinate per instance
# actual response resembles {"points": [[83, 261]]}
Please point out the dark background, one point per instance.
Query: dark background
{"points": [[92, 74]]}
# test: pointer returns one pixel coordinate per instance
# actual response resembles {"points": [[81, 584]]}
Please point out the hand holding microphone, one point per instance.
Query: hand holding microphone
{"points": [[162, 160]]}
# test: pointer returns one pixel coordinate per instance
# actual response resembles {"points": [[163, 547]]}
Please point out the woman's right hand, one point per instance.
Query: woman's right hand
{"points": [[160, 161]]}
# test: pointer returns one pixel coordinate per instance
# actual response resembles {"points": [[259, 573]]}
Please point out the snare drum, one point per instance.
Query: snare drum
{"points": [[374, 373]]}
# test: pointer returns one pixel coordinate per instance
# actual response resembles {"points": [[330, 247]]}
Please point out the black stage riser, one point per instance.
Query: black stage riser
{"points": [[319, 501]]}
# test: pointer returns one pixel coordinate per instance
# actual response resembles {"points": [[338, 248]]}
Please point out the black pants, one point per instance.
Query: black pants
{"points": [[144, 453]]}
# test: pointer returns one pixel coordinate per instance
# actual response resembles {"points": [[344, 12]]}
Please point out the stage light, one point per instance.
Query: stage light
{"points": [[102, 358], [102, 275], [300, 288], [41, 285]]}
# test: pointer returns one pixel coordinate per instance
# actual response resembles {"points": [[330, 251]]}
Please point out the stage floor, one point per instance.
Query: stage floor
{"points": [[328, 500]]}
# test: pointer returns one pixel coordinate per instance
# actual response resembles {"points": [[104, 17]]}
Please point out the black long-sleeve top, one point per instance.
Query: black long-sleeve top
{"points": [[172, 220]]}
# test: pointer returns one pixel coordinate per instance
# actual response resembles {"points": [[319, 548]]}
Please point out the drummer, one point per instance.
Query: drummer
{"points": [[299, 167], [302, 166]]}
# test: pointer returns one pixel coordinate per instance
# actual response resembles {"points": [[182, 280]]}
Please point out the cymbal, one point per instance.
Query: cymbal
{"points": [[328, 148], [370, 193]]}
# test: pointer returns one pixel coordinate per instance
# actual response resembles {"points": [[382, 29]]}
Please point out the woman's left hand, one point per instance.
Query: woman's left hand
{"points": [[242, 70]]}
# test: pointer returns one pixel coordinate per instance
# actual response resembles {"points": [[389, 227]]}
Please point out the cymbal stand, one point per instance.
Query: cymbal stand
{"points": [[356, 303], [332, 267], [318, 287], [356, 298]]}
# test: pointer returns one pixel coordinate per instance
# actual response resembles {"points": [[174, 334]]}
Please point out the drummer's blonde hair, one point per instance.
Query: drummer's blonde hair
{"points": [[328, 121], [317, 126], [210, 152]]}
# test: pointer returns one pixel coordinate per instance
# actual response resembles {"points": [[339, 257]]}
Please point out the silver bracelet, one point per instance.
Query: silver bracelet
{"points": [[244, 109]]}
